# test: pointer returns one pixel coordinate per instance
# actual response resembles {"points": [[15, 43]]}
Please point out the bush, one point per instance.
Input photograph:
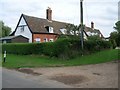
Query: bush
{"points": [[22, 48], [94, 46], [62, 48]]}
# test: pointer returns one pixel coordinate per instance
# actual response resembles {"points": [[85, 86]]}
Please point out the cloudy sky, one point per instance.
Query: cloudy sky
{"points": [[103, 13]]}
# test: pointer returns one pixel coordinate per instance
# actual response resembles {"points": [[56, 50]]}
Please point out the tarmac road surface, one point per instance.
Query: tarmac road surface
{"points": [[15, 79]]}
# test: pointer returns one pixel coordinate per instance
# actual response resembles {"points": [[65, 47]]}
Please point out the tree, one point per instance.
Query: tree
{"points": [[4, 30], [113, 38], [72, 29], [117, 35], [117, 26], [94, 38]]}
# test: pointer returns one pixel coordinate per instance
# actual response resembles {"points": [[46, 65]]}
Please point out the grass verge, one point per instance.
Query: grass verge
{"points": [[20, 61]]}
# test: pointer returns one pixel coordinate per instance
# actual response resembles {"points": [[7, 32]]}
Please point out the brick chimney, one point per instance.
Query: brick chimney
{"points": [[49, 14], [92, 25]]}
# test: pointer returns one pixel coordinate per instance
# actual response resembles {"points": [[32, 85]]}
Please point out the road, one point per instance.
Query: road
{"points": [[15, 79]]}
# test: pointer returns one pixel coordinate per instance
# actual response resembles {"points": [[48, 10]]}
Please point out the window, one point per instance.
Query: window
{"points": [[50, 29], [51, 40], [22, 28], [63, 30], [45, 40], [37, 40]]}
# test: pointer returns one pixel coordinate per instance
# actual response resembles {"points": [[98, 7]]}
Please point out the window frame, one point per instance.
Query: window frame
{"points": [[22, 28], [38, 41]]}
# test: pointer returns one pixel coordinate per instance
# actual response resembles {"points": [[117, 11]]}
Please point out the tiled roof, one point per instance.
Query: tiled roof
{"points": [[38, 25]]}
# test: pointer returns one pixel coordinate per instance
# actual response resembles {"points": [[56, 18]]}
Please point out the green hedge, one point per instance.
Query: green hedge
{"points": [[96, 45], [23, 48], [62, 48]]}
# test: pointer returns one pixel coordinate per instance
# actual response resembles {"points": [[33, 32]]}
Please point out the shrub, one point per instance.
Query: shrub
{"points": [[94, 46], [23, 48], [62, 48]]}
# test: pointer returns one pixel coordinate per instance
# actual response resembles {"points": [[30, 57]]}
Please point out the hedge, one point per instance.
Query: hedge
{"points": [[63, 48], [23, 48], [96, 45]]}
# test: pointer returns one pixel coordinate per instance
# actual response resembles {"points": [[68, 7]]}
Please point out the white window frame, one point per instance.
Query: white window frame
{"points": [[45, 39], [37, 40], [51, 40], [51, 30]]}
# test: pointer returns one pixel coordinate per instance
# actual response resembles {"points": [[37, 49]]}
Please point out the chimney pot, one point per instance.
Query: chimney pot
{"points": [[49, 14], [92, 25]]}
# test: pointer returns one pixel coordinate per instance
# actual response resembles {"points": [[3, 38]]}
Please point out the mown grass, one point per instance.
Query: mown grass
{"points": [[20, 61]]}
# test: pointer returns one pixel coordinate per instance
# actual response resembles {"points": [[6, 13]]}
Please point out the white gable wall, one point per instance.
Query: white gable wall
{"points": [[26, 32], [22, 22]]}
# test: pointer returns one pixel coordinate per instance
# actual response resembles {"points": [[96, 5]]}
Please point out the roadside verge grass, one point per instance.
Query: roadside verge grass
{"points": [[31, 61]]}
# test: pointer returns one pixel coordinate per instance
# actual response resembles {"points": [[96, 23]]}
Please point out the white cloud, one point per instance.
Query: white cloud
{"points": [[103, 13]]}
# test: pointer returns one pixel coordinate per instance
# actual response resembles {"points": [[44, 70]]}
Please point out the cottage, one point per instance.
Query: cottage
{"points": [[42, 30], [39, 29], [91, 31], [14, 39]]}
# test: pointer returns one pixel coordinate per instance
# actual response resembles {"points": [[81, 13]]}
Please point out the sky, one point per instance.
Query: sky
{"points": [[103, 13]]}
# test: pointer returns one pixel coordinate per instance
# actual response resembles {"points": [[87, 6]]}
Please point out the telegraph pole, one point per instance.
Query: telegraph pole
{"points": [[81, 21]]}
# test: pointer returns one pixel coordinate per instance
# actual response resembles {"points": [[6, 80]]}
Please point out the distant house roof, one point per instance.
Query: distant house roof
{"points": [[88, 29]]}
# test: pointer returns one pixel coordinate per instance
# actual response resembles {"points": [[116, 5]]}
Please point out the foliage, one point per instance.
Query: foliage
{"points": [[94, 38], [72, 37], [117, 26], [93, 46], [62, 48], [95, 43], [23, 48], [4, 30], [115, 36], [72, 29]]}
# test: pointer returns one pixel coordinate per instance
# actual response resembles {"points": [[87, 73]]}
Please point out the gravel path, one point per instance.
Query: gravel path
{"points": [[88, 76]]}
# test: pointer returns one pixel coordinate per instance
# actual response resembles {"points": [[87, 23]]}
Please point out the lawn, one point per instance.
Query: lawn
{"points": [[20, 61]]}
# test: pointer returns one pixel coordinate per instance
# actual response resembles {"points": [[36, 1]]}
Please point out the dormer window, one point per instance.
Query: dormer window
{"points": [[49, 29], [63, 30]]}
